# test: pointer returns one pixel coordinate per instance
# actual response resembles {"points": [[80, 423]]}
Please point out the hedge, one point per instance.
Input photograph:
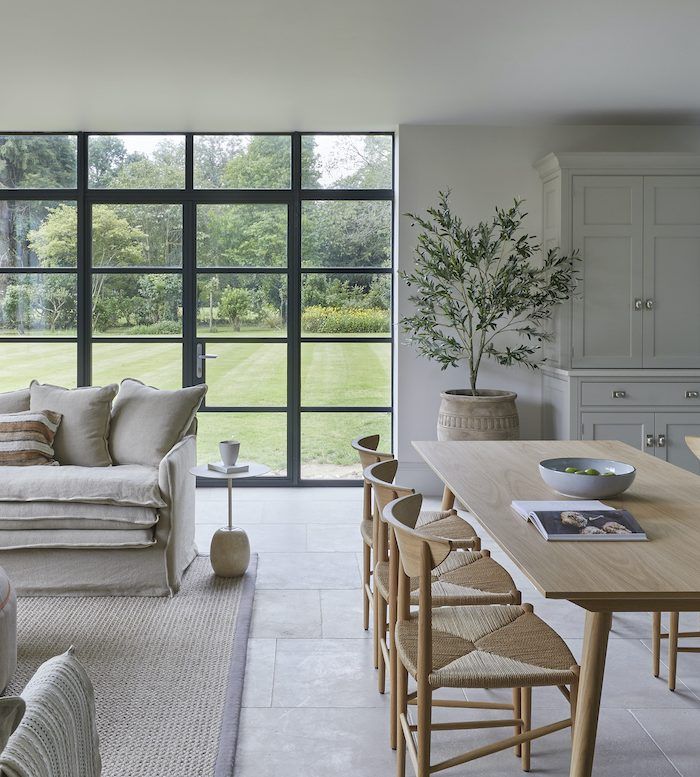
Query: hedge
{"points": [[332, 321]]}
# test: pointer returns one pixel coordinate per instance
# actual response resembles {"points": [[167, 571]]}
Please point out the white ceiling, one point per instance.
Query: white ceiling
{"points": [[356, 64]]}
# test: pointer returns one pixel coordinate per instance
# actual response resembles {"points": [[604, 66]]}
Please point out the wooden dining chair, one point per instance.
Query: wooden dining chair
{"points": [[482, 646], [673, 634], [444, 523], [366, 448], [466, 576]]}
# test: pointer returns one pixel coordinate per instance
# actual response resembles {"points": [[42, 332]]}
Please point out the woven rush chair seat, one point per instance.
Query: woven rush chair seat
{"points": [[488, 647], [446, 524], [464, 577], [367, 530]]}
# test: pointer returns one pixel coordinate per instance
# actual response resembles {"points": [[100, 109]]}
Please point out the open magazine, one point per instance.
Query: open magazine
{"points": [[580, 520]]}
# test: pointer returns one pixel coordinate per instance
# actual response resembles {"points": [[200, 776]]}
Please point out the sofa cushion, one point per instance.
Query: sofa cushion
{"points": [[81, 439], [75, 538], [18, 516], [130, 484], [147, 422], [14, 401], [27, 438]]}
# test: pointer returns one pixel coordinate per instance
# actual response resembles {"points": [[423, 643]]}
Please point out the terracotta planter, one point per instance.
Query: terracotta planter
{"points": [[492, 415]]}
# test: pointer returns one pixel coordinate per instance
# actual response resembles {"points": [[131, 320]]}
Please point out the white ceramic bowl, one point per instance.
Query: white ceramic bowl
{"points": [[587, 486]]}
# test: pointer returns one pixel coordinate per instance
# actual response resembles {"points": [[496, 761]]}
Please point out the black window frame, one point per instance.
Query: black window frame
{"points": [[189, 197]]}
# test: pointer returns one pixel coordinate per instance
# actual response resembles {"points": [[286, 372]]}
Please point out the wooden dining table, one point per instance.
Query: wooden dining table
{"points": [[659, 575]]}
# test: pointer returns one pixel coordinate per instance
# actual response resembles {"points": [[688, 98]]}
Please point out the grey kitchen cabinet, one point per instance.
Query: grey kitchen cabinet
{"points": [[635, 429], [653, 414], [671, 312], [607, 233], [670, 433], [660, 434], [624, 362]]}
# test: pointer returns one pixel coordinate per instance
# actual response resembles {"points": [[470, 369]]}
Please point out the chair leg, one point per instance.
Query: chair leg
{"points": [[526, 708], [655, 642], [401, 709], [516, 714], [393, 669], [672, 650], [366, 578], [573, 700], [375, 636], [425, 709], [381, 630]]}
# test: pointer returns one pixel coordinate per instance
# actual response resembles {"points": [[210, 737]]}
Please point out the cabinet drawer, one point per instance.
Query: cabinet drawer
{"points": [[625, 393]]}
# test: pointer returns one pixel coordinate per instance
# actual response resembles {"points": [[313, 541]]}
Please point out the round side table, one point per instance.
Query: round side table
{"points": [[230, 548]]}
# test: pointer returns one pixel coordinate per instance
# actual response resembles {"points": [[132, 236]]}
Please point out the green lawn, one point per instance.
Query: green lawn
{"points": [[247, 374]]}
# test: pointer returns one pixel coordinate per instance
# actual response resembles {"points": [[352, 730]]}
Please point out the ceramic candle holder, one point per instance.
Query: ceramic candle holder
{"points": [[229, 450]]}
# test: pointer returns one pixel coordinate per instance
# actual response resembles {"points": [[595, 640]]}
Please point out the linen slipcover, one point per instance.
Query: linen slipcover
{"points": [[129, 484], [74, 515]]}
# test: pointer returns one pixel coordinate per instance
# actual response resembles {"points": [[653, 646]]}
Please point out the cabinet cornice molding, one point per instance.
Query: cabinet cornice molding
{"points": [[632, 162]]}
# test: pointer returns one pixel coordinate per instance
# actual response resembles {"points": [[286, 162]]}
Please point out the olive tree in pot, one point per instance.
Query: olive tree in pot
{"points": [[481, 292]]}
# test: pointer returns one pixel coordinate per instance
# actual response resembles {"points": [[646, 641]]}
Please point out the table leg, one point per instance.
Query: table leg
{"points": [[230, 505], [595, 644], [448, 499]]}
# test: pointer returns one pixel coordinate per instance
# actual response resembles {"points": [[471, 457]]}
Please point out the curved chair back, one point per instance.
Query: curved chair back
{"points": [[366, 448], [694, 444], [381, 477], [419, 553]]}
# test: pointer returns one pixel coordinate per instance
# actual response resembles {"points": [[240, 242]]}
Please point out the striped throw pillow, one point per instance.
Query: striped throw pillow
{"points": [[27, 438]]}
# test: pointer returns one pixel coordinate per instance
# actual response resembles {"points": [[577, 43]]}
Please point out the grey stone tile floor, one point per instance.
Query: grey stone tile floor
{"points": [[311, 706]]}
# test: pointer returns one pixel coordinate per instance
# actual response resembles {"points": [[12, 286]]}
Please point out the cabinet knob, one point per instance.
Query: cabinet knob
{"points": [[661, 441], [649, 304], [619, 394], [638, 304], [692, 394], [650, 441]]}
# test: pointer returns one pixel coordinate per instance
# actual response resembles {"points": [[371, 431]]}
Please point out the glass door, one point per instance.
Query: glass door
{"points": [[242, 344]]}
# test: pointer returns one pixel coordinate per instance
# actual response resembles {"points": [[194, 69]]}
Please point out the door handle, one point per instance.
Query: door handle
{"points": [[649, 304], [201, 356], [650, 441], [638, 304], [661, 442]]}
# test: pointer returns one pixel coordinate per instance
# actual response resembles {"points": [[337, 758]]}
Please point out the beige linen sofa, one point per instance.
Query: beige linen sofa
{"points": [[99, 530]]}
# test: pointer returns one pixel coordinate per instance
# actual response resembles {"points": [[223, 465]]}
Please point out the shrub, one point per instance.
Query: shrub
{"points": [[327, 320], [160, 328]]}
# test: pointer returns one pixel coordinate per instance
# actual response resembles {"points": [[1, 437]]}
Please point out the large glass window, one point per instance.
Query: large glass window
{"points": [[39, 281], [260, 264]]}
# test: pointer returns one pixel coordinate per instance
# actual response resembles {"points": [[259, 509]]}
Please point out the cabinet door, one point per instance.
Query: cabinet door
{"points": [[607, 232], [671, 271], [671, 430], [631, 428]]}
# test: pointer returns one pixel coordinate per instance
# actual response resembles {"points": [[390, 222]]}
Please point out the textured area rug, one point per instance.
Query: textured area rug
{"points": [[168, 673]]}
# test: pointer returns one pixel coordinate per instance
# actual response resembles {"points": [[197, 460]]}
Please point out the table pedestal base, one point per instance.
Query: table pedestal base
{"points": [[230, 552]]}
